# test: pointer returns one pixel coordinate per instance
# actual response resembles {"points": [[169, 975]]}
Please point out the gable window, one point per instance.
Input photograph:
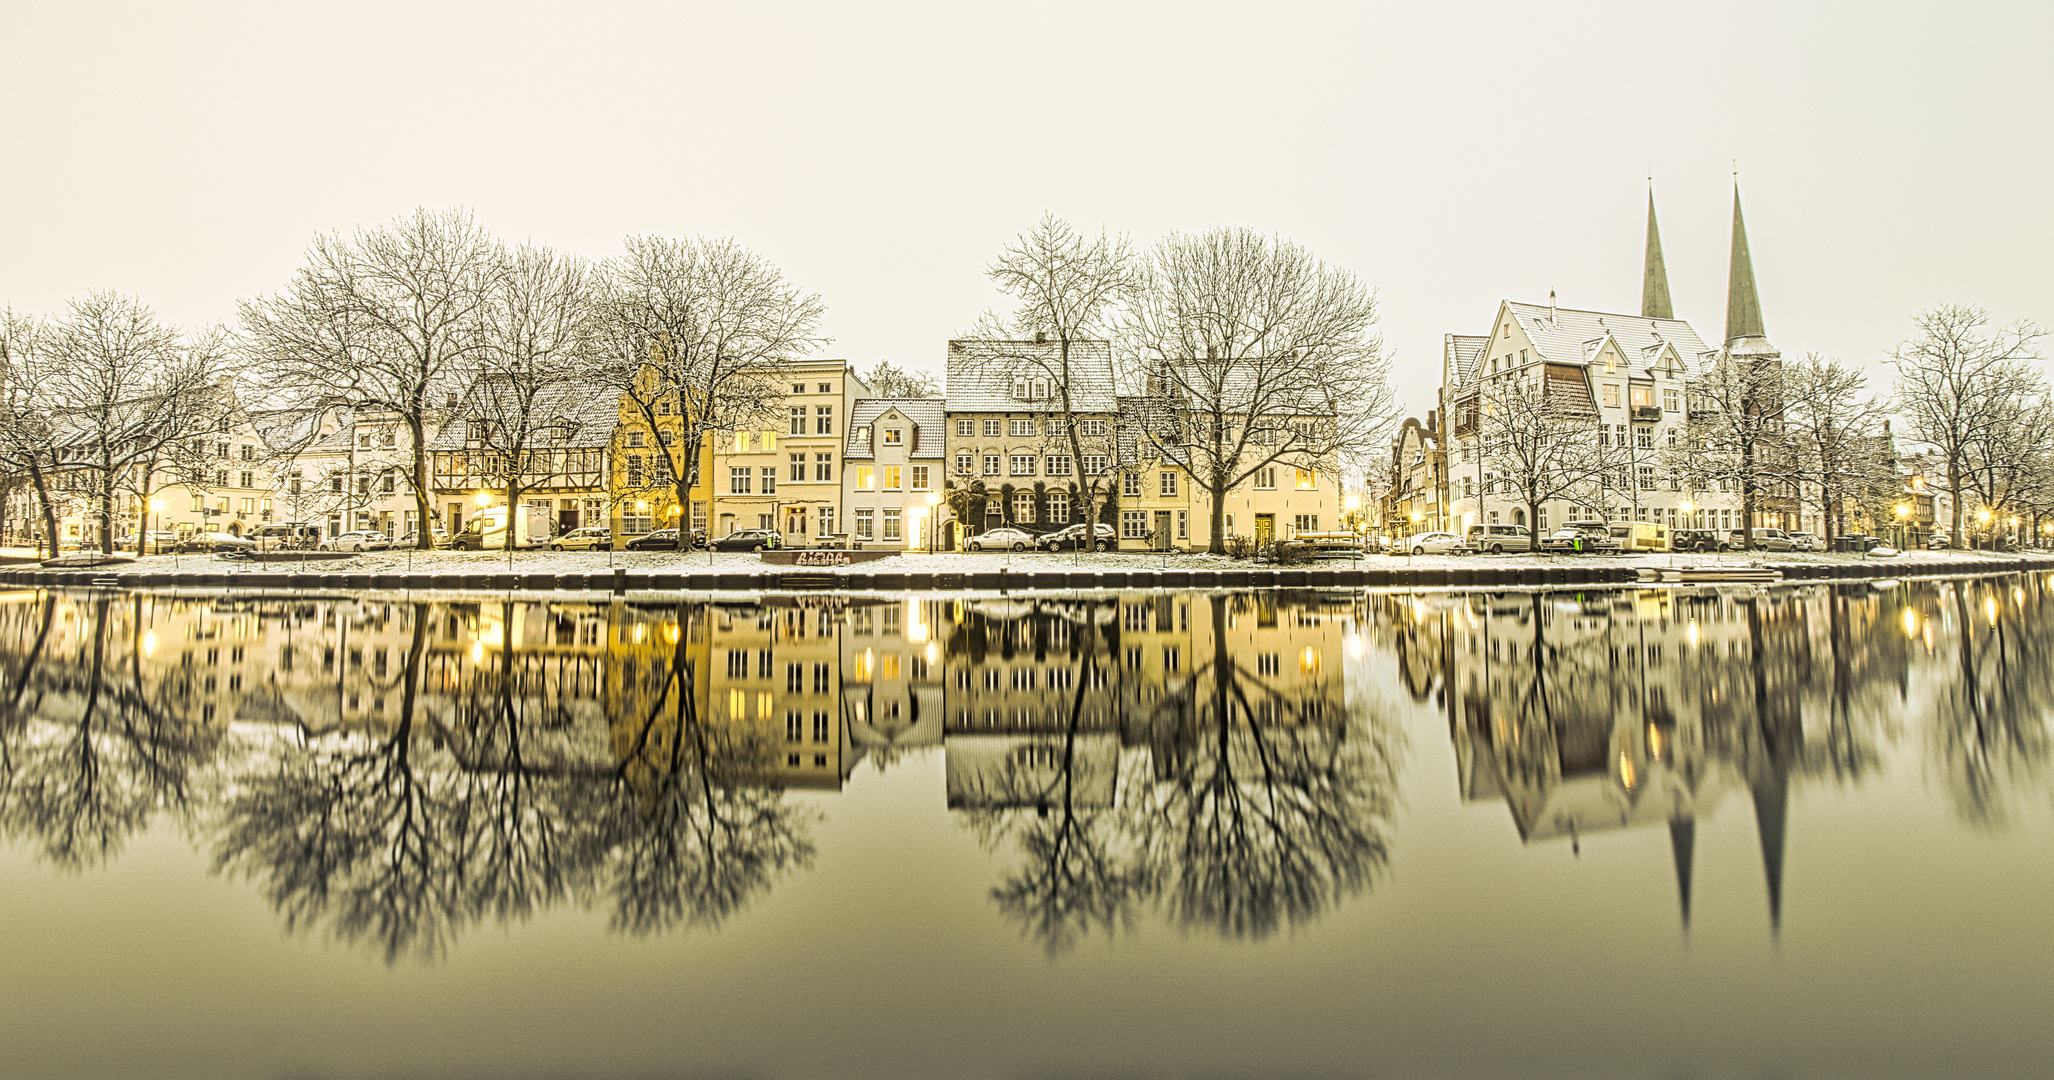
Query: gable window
{"points": [[894, 436]]}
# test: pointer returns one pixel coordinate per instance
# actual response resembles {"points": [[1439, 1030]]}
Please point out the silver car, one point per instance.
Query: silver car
{"points": [[1433, 543], [1000, 539]]}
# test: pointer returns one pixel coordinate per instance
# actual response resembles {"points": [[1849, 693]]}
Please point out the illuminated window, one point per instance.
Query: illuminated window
{"points": [[1307, 480], [865, 478]]}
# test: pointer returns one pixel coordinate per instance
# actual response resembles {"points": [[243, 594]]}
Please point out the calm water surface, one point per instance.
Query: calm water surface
{"points": [[1801, 832]]}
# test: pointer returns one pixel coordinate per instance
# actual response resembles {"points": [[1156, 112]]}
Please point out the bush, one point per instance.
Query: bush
{"points": [[1240, 547]]}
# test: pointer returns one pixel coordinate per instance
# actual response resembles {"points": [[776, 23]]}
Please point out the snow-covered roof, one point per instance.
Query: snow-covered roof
{"points": [[924, 414], [983, 375], [1464, 353], [590, 412], [1570, 336]]}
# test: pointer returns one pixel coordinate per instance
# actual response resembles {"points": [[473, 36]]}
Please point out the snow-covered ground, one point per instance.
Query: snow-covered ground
{"points": [[565, 562]]}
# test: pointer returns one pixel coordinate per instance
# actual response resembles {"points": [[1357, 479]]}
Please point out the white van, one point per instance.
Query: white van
{"points": [[1641, 536], [486, 529], [1498, 539]]}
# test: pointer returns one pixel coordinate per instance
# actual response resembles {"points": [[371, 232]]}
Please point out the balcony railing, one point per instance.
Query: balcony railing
{"points": [[1646, 414]]}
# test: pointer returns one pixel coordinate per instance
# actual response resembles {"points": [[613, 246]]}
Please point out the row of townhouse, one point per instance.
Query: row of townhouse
{"points": [[1629, 375], [1020, 438]]}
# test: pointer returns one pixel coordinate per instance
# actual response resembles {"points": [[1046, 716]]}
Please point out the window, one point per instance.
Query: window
{"points": [[770, 479], [1307, 480], [1059, 464], [891, 524], [964, 463], [249, 453], [1647, 478], [798, 472], [1022, 464], [738, 478], [919, 477], [1023, 429], [966, 428], [1130, 485], [1168, 485], [1059, 508], [1643, 397], [1094, 464], [634, 470], [823, 467], [892, 477], [1133, 525], [1183, 524], [991, 428], [1091, 427], [1023, 507], [823, 420], [864, 518], [894, 436], [1611, 395], [334, 482], [866, 478], [1644, 437], [798, 421], [1266, 478], [635, 439], [1306, 523], [991, 464], [244, 479], [1671, 400], [221, 449], [1057, 428], [387, 485]]}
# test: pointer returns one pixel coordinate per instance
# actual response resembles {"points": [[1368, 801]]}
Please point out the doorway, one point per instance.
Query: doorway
{"points": [[1162, 530], [1265, 529]]}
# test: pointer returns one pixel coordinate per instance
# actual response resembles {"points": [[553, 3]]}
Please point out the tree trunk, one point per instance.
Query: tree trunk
{"points": [[1217, 541], [43, 498], [424, 531]]}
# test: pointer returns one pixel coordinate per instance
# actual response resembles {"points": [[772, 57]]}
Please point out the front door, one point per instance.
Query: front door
{"points": [[1162, 530], [795, 521], [1265, 529]]}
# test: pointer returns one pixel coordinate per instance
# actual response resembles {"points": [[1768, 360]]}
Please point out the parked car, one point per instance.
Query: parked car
{"points": [[215, 541], [359, 541], [746, 540], [1938, 541], [1000, 539], [439, 538], [660, 540], [592, 538], [1764, 540], [1498, 539], [158, 541], [291, 537], [1804, 541], [1104, 538], [1694, 540], [1433, 543], [1576, 537]]}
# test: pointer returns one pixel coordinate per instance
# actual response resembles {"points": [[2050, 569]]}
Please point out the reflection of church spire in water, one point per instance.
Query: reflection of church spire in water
{"points": [[1683, 841], [1771, 798]]}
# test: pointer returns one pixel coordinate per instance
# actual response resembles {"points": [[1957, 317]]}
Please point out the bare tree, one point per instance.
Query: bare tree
{"points": [[1958, 381], [26, 444], [1837, 450], [1542, 446], [1268, 354], [1734, 431], [697, 336], [1067, 289], [385, 320], [892, 381], [123, 387], [536, 338]]}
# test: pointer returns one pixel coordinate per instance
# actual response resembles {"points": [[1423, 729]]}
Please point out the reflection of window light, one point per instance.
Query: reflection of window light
{"points": [[1308, 662], [763, 704], [736, 701]]}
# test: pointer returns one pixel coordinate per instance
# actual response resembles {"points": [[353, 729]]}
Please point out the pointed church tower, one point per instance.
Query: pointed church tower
{"points": [[1654, 281], [1745, 335]]}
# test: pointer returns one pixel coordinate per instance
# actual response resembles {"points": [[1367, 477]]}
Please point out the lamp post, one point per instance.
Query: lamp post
{"points": [[157, 513], [1983, 518]]}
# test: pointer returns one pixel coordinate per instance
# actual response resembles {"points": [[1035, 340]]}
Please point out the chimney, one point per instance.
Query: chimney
{"points": [[1551, 307]]}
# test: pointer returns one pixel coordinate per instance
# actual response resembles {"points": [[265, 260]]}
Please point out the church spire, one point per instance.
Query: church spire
{"points": [[1743, 302], [1771, 804], [1654, 281]]}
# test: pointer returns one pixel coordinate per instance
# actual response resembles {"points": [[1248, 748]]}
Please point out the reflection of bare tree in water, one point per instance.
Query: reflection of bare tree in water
{"points": [[94, 746], [406, 838], [1077, 873], [1277, 811], [1266, 807], [1992, 723]]}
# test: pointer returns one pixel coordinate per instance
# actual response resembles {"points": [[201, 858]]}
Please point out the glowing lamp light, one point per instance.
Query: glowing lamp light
{"points": [[1910, 623], [484, 498], [1983, 515], [1903, 511], [149, 642], [156, 506]]}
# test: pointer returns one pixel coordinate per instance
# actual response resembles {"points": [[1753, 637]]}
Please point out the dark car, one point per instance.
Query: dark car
{"points": [[660, 540], [1694, 540], [1067, 538], [748, 540]]}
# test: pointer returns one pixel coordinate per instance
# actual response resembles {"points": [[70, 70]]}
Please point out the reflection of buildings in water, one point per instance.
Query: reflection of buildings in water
{"points": [[774, 676], [892, 676], [1029, 702], [1595, 711]]}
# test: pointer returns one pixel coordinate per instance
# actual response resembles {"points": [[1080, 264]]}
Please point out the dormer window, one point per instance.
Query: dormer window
{"points": [[863, 433], [894, 436]]}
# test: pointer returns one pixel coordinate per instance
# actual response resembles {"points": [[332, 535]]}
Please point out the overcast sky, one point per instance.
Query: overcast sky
{"points": [[1891, 156]]}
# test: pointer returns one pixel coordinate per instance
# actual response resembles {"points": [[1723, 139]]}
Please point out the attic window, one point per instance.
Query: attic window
{"points": [[894, 436], [863, 433], [1610, 366]]}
